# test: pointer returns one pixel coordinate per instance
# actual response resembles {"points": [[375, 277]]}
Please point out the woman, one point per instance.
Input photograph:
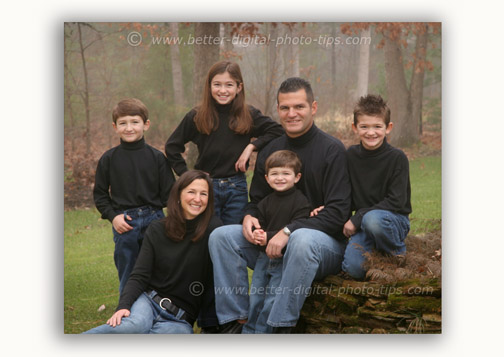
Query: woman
{"points": [[173, 272]]}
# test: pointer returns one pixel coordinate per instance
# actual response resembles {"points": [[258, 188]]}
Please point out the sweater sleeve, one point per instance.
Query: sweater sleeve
{"points": [[259, 188], [264, 129], [398, 189], [101, 194], [302, 211], [166, 179], [140, 276], [175, 145]]}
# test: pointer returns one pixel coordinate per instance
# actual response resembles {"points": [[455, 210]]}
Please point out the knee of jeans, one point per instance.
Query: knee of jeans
{"points": [[374, 222], [221, 235], [301, 243], [353, 268]]}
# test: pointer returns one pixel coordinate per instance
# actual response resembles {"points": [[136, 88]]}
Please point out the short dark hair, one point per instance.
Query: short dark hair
{"points": [[372, 105], [175, 222], [293, 84], [130, 106], [283, 158]]}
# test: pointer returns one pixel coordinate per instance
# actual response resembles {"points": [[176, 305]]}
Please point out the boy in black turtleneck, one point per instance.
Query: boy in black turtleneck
{"points": [[275, 211], [132, 184], [379, 174]]}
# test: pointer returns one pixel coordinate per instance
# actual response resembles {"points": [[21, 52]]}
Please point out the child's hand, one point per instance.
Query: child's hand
{"points": [[120, 224], [349, 229], [316, 211], [241, 164], [260, 237]]}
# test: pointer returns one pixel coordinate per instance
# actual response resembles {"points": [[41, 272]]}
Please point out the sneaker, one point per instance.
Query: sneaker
{"points": [[231, 327], [283, 329]]}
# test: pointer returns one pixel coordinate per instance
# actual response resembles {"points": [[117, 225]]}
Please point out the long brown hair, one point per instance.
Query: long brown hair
{"points": [[207, 119], [175, 225]]}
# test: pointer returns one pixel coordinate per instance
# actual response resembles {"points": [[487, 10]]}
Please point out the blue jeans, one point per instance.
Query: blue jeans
{"points": [[380, 230], [230, 198], [265, 285], [147, 317], [310, 255], [128, 244]]}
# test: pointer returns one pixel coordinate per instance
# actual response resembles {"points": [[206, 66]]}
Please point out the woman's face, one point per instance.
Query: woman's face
{"points": [[194, 198], [224, 88]]}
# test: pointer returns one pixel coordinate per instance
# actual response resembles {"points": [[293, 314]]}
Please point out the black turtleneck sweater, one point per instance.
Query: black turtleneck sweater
{"points": [[278, 209], [219, 151], [179, 271], [136, 174], [324, 180], [380, 180]]}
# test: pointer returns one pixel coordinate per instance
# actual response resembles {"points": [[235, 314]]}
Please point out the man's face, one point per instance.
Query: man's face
{"points": [[296, 114]]}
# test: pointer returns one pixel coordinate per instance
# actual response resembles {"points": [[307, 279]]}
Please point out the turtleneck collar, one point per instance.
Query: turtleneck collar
{"points": [[223, 108], [191, 225], [285, 193], [303, 139], [134, 145], [383, 147]]}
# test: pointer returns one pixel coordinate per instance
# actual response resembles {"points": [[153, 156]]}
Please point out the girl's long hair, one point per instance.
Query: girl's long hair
{"points": [[207, 119], [175, 222]]}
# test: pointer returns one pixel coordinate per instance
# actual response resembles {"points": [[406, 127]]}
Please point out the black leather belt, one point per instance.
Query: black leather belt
{"points": [[167, 305]]}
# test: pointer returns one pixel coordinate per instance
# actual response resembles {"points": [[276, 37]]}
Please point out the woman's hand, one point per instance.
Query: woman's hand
{"points": [[116, 318], [241, 164]]}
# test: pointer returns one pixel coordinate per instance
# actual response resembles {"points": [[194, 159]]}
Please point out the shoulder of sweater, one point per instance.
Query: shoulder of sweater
{"points": [[329, 139]]}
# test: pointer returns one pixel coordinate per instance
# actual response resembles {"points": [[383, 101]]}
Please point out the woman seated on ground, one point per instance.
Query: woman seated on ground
{"points": [[165, 291]]}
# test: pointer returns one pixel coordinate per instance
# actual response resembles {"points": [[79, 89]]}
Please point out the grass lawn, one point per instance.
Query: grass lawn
{"points": [[90, 274]]}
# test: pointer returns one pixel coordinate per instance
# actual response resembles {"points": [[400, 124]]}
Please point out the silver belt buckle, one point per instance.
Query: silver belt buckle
{"points": [[161, 302]]}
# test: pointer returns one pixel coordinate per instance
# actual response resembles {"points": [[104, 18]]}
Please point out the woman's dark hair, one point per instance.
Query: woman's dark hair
{"points": [[207, 119], [175, 225]]}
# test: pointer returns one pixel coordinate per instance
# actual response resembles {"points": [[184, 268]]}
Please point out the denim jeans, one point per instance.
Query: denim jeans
{"points": [[310, 255], [230, 198], [146, 317], [265, 285], [128, 244], [380, 230]]}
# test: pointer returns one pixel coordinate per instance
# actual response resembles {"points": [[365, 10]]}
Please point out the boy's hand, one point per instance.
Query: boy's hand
{"points": [[276, 244], [116, 318], [260, 237], [120, 224], [349, 229], [241, 164], [316, 211], [248, 223]]}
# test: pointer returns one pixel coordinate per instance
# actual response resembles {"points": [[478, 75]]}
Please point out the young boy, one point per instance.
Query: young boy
{"points": [[278, 209], [379, 174], [132, 184]]}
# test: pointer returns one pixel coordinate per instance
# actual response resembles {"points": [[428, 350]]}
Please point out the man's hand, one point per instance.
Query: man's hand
{"points": [[115, 320], [120, 224], [349, 229], [248, 223], [260, 237], [316, 211], [276, 244]]}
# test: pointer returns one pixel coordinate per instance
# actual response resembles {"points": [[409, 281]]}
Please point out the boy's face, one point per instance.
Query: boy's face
{"points": [[282, 178], [224, 88], [296, 114], [371, 131], [131, 128]]}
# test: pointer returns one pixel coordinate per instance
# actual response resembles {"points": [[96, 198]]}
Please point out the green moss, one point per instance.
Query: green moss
{"points": [[419, 304]]}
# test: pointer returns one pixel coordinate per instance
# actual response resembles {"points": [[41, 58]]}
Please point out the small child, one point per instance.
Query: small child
{"points": [[381, 193], [276, 211], [132, 184]]}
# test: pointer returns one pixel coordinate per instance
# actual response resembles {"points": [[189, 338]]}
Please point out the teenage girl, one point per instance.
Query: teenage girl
{"points": [[222, 127]]}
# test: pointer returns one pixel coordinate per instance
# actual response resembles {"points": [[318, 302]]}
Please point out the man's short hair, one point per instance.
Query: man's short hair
{"points": [[293, 84], [372, 105], [283, 158], [130, 107]]}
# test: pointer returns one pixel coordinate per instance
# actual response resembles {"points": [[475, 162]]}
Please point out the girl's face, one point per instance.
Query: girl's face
{"points": [[224, 88], [194, 198]]}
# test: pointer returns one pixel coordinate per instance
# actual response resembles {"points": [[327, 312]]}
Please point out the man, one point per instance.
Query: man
{"points": [[314, 245]]}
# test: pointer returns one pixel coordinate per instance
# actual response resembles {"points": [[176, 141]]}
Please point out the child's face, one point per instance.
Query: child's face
{"points": [[131, 128], [194, 199], [371, 131], [224, 88], [282, 178]]}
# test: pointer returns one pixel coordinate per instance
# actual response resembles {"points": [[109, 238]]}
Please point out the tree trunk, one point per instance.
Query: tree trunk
{"points": [[176, 67], [405, 129], [417, 77], [363, 70], [271, 72], [85, 95], [334, 59]]}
